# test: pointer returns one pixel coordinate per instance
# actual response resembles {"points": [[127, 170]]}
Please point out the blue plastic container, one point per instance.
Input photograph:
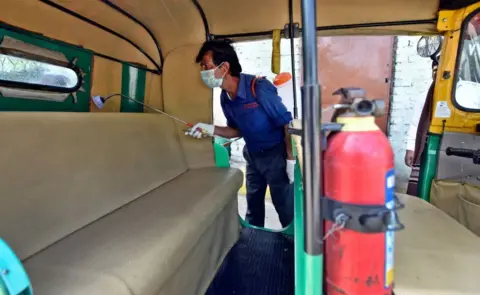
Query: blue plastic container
{"points": [[13, 277]]}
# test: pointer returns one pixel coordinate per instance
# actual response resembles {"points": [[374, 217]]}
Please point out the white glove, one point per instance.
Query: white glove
{"points": [[291, 170], [196, 131]]}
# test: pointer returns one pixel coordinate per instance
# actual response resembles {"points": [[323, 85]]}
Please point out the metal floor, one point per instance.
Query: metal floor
{"points": [[261, 263]]}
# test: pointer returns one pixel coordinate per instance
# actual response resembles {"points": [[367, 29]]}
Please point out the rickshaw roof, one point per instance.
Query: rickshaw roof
{"points": [[145, 31]]}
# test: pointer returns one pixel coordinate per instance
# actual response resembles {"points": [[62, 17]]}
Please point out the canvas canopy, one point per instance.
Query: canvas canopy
{"points": [[145, 31]]}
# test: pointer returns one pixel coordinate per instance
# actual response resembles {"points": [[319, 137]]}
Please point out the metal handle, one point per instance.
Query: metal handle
{"points": [[459, 152]]}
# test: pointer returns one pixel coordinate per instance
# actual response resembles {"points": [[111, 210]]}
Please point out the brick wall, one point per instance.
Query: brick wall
{"points": [[412, 77]]}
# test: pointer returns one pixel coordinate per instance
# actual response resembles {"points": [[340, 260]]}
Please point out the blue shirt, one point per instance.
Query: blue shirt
{"points": [[260, 119]]}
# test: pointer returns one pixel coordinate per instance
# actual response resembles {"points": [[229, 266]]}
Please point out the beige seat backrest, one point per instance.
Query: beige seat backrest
{"points": [[62, 171], [459, 200], [456, 189], [187, 97]]}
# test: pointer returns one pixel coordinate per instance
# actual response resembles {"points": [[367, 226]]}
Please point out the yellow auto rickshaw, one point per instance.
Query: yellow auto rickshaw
{"points": [[116, 200]]}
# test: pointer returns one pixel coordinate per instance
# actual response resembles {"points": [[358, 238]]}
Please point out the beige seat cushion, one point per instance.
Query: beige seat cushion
{"points": [[67, 280], [144, 244], [434, 255]]}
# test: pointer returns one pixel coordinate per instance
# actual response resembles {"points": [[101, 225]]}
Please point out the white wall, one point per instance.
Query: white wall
{"points": [[412, 77]]}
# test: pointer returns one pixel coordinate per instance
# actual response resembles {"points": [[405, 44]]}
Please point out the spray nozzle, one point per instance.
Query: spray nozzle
{"points": [[353, 101], [98, 101]]}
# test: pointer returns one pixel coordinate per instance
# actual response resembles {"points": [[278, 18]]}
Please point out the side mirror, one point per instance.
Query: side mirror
{"points": [[429, 46], [467, 94]]}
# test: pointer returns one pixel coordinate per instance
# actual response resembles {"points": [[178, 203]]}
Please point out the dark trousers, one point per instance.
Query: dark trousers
{"points": [[264, 168], [414, 179]]}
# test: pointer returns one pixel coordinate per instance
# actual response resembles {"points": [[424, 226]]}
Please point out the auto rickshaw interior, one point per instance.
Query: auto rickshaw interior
{"points": [[118, 201]]}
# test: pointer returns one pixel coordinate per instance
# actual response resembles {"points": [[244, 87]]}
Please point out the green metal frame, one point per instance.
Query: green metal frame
{"points": [[222, 157], [83, 60], [133, 85], [221, 141], [429, 166], [308, 268]]}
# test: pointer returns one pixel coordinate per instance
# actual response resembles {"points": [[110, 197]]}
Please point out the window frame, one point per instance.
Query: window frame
{"points": [[38, 87], [461, 45], [39, 101]]}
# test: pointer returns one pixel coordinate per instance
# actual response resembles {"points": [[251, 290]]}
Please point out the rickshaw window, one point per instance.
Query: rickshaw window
{"points": [[22, 73], [466, 90]]}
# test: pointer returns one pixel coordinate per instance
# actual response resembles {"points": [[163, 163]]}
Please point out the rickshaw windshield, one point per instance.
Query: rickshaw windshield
{"points": [[467, 90]]}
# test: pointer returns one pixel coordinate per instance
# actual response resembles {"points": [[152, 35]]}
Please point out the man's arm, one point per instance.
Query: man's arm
{"points": [[227, 132], [288, 143], [415, 118], [231, 130], [412, 131], [272, 104]]}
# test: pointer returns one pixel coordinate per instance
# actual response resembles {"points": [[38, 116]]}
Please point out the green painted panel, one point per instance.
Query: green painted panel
{"points": [[429, 166], [300, 255], [222, 156], [133, 86], [221, 141], [83, 60], [313, 280], [308, 268], [289, 230]]}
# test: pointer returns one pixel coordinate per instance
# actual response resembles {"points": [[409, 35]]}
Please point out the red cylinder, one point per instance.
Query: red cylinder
{"points": [[358, 169]]}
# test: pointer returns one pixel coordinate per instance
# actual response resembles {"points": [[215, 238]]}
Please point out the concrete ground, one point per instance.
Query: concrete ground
{"points": [[271, 217]]}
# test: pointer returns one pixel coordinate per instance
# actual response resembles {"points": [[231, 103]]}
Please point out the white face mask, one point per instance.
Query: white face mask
{"points": [[208, 77]]}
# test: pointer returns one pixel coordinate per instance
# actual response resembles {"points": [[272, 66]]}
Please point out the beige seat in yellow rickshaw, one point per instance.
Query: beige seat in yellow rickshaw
{"points": [[107, 204]]}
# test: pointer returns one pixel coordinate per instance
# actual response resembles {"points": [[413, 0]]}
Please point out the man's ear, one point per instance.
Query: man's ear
{"points": [[226, 67]]}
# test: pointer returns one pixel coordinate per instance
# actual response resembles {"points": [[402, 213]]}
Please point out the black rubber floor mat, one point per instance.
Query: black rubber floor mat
{"points": [[261, 263]]}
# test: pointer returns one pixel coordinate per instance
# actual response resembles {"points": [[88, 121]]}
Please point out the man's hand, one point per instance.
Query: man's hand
{"points": [[409, 158], [201, 130], [291, 170]]}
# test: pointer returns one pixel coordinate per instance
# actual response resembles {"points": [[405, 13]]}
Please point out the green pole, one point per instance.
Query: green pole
{"points": [[308, 268], [429, 166]]}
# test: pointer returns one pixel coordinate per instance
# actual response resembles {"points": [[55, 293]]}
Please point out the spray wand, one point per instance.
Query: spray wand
{"points": [[99, 101]]}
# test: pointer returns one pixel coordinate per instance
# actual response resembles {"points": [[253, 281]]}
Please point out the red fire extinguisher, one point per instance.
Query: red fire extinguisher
{"points": [[360, 203]]}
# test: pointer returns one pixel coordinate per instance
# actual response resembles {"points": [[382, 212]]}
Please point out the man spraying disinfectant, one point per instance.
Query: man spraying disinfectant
{"points": [[254, 111]]}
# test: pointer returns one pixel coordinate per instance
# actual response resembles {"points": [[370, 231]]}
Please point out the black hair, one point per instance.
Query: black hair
{"points": [[222, 51]]}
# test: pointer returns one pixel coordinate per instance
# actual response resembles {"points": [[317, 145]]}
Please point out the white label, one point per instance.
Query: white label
{"points": [[442, 110], [389, 235], [391, 181]]}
